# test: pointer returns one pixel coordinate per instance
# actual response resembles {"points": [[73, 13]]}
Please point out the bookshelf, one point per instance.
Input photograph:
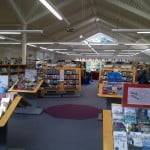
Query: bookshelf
{"points": [[13, 71], [127, 75], [60, 79]]}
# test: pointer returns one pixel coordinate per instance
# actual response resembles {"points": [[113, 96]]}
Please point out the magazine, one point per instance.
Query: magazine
{"points": [[130, 115], [117, 113], [120, 140], [142, 116], [146, 141], [135, 141]]}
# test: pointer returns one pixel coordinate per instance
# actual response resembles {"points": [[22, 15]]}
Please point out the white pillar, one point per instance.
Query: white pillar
{"points": [[24, 47]]}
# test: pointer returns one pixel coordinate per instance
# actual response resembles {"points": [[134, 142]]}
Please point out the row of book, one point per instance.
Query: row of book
{"points": [[131, 128]]}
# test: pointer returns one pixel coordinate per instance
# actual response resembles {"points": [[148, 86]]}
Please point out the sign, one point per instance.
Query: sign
{"points": [[136, 95], [31, 74], [61, 75]]}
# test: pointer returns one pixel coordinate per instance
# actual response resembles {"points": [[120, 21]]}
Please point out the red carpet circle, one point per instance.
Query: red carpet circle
{"points": [[71, 111]]}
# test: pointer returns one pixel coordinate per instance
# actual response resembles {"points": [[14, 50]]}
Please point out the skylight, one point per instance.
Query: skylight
{"points": [[100, 38]]}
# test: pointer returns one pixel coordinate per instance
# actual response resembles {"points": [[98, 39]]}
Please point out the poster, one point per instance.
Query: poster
{"points": [[136, 95], [30, 74], [3, 85]]}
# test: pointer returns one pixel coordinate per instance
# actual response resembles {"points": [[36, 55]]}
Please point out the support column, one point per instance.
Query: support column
{"points": [[24, 47]]}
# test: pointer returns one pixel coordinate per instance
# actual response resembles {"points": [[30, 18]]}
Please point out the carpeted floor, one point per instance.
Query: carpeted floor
{"points": [[44, 132]]}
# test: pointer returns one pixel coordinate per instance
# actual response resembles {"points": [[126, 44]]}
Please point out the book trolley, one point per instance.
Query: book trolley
{"points": [[135, 128]]}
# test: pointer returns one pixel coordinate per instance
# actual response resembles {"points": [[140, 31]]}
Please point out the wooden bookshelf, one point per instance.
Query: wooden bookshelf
{"points": [[59, 78], [107, 130], [35, 90], [10, 111], [128, 75]]}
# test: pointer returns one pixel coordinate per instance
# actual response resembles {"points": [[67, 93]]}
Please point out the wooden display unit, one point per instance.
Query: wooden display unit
{"points": [[10, 110], [107, 130], [61, 79], [35, 90], [128, 76]]}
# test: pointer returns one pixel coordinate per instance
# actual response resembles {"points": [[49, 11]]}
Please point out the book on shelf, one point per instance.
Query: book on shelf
{"points": [[120, 140], [130, 115], [135, 141]]}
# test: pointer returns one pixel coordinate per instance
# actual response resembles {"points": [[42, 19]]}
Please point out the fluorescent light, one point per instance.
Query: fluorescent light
{"points": [[103, 44], [32, 45], [11, 43], [137, 44], [78, 50], [1, 37], [131, 30], [131, 50], [51, 9], [124, 55], [43, 48], [110, 50], [58, 49], [71, 43], [14, 32], [143, 32]]}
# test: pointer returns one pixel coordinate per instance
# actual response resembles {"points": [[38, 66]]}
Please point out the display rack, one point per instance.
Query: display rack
{"points": [[128, 76], [35, 90], [4, 121], [10, 110], [61, 79]]}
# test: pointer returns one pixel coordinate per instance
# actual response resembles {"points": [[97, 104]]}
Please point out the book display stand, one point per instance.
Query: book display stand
{"points": [[28, 109], [4, 121], [127, 126], [111, 81]]}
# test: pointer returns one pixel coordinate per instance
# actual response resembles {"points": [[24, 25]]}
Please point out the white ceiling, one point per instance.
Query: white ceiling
{"points": [[84, 17]]}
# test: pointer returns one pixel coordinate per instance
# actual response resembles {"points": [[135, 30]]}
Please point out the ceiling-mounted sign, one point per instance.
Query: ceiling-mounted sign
{"points": [[136, 95]]}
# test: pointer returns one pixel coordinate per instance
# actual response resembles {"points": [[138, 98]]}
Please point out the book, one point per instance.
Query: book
{"points": [[143, 117], [146, 141], [118, 126], [130, 115], [117, 113], [135, 141], [120, 140]]}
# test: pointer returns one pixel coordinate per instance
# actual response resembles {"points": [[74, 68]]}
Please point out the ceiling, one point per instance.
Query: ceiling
{"points": [[80, 17]]}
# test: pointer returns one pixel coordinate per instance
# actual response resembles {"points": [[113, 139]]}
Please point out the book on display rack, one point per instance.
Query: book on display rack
{"points": [[132, 127]]}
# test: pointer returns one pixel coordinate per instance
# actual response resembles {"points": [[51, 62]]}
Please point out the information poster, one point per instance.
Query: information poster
{"points": [[3, 85], [30, 74], [136, 95], [61, 75]]}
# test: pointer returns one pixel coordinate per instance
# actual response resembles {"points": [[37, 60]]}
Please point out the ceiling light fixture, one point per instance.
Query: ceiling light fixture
{"points": [[143, 32], [31, 45], [131, 50], [10, 43], [131, 30], [104, 44], [43, 48], [9, 32], [51, 9], [137, 44], [1, 37], [110, 50]]}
